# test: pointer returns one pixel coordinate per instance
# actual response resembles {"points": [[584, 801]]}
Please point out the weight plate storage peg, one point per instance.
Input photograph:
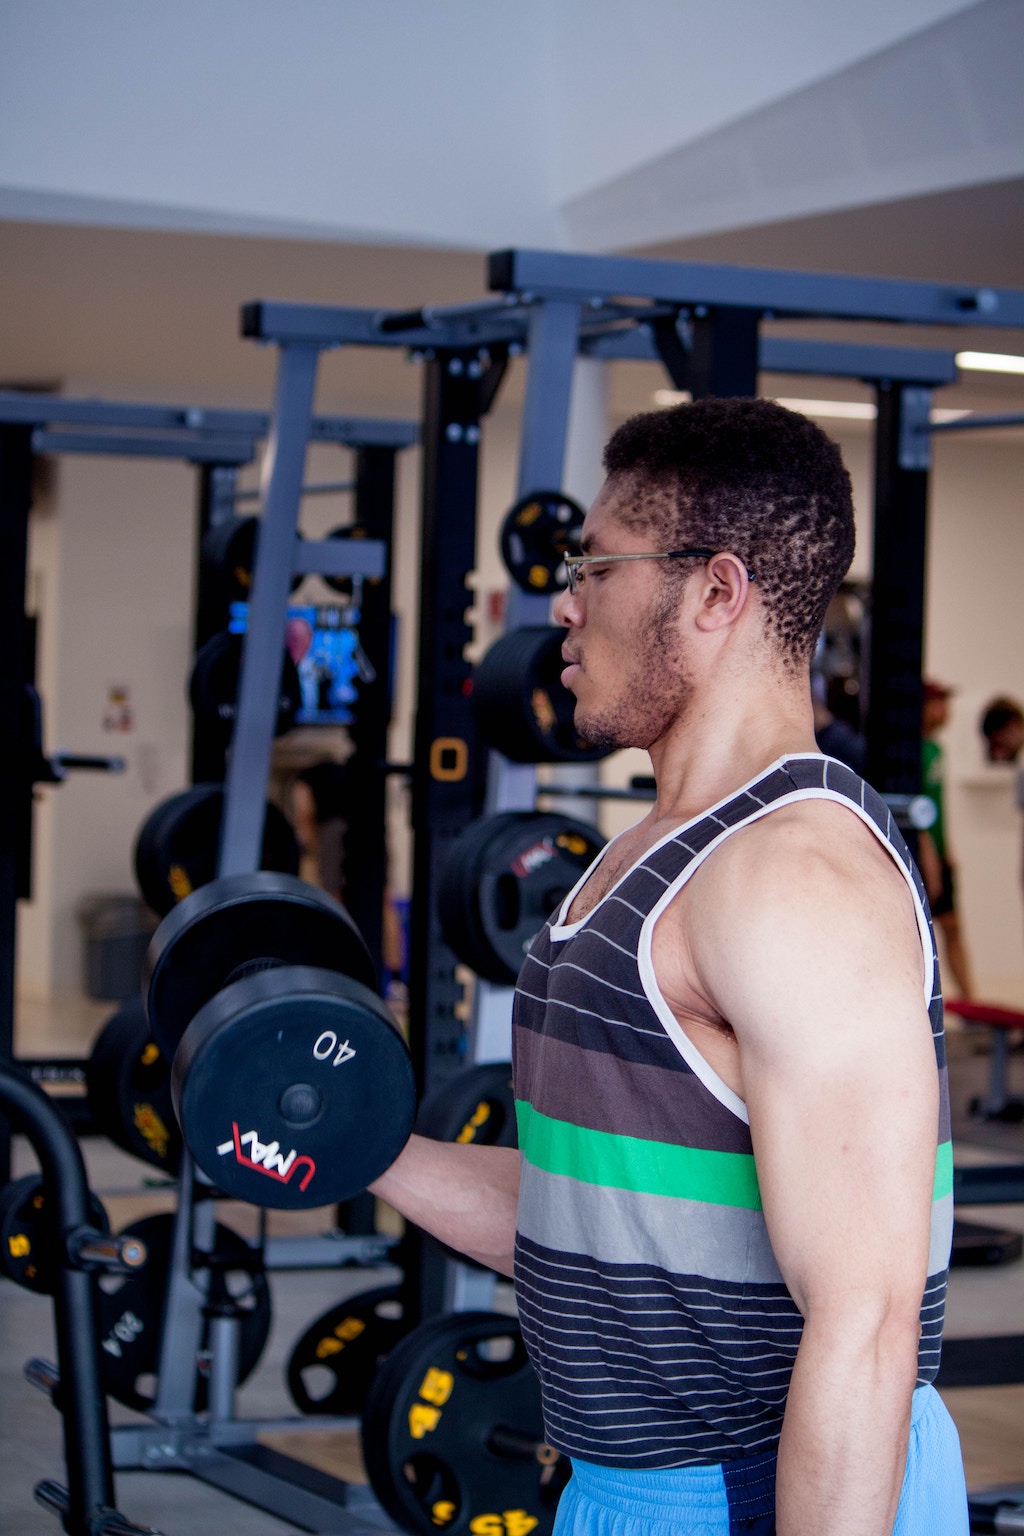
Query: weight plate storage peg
{"points": [[177, 845], [30, 1248], [241, 925], [344, 585], [520, 705], [333, 1364], [131, 1311], [537, 534], [453, 1437], [214, 681], [503, 878], [128, 1086], [293, 1088]]}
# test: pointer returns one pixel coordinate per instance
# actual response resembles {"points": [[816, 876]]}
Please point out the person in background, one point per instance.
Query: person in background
{"points": [[937, 868], [835, 737], [1002, 725], [320, 803]]}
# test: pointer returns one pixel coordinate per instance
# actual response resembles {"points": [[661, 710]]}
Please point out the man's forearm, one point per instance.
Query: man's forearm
{"points": [[464, 1195], [844, 1437]]}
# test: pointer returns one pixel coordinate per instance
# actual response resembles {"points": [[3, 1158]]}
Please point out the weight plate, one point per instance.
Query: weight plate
{"points": [[131, 1312], [521, 708], [503, 878], [177, 846], [128, 1086], [294, 1088], [453, 1436], [334, 1362], [214, 682], [227, 556], [537, 534], [30, 1247], [238, 925], [477, 1105]]}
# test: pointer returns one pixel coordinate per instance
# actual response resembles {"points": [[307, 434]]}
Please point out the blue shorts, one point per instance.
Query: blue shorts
{"points": [[738, 1498]]}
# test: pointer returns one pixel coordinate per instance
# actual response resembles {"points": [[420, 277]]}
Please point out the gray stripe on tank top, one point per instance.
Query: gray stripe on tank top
{"points": [[618, 1226]]}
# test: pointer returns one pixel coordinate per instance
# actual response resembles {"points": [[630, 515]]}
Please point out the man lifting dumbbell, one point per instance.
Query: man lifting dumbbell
{"points": [[730, 1214]]}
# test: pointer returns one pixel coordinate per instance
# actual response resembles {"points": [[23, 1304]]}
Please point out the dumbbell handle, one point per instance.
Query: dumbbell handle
{"points": [[88, 1249], [512, 1442]]}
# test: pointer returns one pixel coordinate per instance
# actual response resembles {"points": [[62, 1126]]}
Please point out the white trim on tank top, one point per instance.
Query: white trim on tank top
{"points": [[697, 1063]]}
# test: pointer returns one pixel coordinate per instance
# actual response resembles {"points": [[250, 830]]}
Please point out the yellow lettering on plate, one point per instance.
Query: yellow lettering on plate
{"points": [[518, 1522], [422, 1419], [436, 1386]]}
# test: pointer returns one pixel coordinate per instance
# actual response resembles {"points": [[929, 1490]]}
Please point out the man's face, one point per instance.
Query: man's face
{"points": [[1005, 743], [626, 655]]}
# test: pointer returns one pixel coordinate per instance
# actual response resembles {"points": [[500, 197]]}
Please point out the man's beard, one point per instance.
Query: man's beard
{"points": [[655, 693]]}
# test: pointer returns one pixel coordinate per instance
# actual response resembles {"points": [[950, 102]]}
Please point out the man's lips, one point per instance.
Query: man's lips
{"points": [[572, 665]]}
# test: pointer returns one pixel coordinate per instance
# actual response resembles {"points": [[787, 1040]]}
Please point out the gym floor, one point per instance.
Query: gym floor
{"points": [[981, 1301]]}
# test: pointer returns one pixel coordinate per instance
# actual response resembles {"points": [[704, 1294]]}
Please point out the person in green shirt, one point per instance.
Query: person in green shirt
{"points": [[937, 869]]}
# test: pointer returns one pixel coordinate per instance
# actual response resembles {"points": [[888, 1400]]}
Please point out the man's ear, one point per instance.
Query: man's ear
{"points": [[724, 592]]}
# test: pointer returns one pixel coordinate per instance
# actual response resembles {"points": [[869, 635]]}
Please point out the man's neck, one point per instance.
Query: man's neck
{"points": [[725, 738]]}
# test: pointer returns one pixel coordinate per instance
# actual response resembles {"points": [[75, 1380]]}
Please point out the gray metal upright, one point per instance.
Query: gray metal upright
{"points": [[260, 683], [553, 341]]}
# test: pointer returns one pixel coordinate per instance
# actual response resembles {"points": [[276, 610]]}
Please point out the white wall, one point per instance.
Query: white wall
{"points": [[384, 120], [629, 84], [456, 122]]}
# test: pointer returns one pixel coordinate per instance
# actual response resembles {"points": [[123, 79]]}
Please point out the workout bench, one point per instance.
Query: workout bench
{"points": [[998, 1103]]}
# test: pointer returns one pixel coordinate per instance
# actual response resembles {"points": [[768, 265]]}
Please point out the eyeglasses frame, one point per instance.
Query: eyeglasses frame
{"points": [[574, 563]]}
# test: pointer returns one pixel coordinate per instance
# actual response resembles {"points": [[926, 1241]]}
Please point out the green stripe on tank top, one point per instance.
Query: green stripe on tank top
{"points": [[657, 1167], [628, 1162]]}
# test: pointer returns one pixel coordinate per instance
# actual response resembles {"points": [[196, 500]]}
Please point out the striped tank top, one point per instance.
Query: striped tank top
{"points": [[650, 1300]]}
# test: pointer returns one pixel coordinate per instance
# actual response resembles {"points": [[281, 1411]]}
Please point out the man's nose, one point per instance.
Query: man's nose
{"points": [[565, 609]]}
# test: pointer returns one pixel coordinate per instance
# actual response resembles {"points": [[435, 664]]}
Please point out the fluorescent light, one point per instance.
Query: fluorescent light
{"points": [[991, 362], [833, 410], [848, 410]]}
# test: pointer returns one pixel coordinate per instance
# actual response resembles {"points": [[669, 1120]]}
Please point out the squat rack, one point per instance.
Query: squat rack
{"points": [[703, 323], [218, 442]]}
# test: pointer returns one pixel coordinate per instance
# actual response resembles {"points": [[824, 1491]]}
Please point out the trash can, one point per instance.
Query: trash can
{"points": [[116, 930]]}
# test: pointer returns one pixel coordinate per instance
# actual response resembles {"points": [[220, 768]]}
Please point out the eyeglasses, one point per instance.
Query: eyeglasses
{"points": [[577, 575]]}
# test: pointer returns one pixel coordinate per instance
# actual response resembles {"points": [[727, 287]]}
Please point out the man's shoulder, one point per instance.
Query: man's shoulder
{"points": [[814, 851]]}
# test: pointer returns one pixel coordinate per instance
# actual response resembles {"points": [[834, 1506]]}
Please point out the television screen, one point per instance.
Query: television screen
{"points": [[324, 645]]}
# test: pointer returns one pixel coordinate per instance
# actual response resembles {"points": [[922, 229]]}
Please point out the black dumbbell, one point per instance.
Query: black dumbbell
{"points": [[291, 1081]]}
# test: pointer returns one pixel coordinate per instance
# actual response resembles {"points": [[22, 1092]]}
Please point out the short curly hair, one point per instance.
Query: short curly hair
{"points": [[749, 476]]}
